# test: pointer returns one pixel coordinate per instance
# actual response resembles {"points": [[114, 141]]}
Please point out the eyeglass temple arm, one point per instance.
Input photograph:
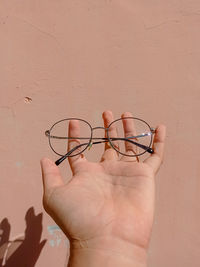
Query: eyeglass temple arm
{"points": [[57, 162], [148, 149]]}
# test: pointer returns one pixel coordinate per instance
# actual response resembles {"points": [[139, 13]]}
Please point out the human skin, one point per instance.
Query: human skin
{"points": [[106, 210]]}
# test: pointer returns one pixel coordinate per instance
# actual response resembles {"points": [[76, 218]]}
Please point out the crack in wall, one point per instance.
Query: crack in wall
{"points": [[41, 31], [161, 24]]}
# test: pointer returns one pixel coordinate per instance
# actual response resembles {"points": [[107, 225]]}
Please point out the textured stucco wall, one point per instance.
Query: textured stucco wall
{"points": [[69, 58]]}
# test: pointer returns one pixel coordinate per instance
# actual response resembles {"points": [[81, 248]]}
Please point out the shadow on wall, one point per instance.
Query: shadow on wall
{"points": [[23, 250]]}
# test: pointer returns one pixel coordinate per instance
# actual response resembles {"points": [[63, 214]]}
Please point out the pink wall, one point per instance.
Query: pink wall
{"points": [[78, 58]]}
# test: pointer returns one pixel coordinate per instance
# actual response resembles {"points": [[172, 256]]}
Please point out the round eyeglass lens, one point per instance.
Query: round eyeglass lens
{"points": [[130, 136], [70, 135]]}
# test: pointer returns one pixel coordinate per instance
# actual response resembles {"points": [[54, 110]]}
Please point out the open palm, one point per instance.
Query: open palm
{"points": [[112, 199]]}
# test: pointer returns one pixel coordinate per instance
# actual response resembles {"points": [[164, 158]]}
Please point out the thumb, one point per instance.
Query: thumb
{"points": [[51, 176]]}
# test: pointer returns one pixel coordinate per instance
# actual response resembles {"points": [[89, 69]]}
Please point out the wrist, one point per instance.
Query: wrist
{"points": [[109, 252]]}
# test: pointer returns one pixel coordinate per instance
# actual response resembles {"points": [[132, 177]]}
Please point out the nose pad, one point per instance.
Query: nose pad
{"points": [[90, 145]]}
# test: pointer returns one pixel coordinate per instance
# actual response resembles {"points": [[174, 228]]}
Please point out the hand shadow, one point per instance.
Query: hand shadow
{"points": [[27, 253], [4, 238]]}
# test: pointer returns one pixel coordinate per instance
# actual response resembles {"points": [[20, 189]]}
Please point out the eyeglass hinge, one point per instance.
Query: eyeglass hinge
{"points": [[47, 133]]}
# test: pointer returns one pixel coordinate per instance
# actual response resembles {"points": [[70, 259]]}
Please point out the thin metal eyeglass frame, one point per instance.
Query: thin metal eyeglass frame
{"points": [[108, 139]]}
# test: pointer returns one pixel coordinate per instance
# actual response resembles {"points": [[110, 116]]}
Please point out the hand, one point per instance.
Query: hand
{"points": [[109, 205]]}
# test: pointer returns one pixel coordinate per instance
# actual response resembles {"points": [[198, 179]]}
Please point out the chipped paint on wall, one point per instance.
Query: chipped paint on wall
{"points": [[57, 238]]}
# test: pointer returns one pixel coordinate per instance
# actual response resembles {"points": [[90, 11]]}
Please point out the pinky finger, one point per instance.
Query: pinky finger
{"points": [[156, 159]]}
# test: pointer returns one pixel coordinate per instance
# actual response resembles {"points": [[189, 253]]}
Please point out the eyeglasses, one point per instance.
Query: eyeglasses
{"points": [[71, 137]]}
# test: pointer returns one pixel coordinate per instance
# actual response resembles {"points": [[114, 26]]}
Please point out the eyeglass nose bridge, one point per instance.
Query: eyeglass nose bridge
{"points": [[99, 127]]}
